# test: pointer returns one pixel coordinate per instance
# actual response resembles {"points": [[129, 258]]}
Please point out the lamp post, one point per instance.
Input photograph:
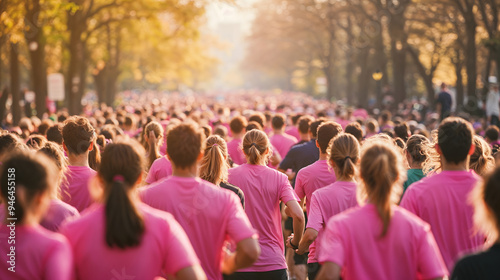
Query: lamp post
{"points": [[377, 76]]}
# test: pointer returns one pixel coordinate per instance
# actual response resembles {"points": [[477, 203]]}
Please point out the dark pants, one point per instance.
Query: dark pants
{"points": [[279, 274], [313, 270], [494, 120]]}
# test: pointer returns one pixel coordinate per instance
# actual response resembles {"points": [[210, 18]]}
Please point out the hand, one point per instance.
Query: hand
{"points": [[290, 243], [228, 265]]}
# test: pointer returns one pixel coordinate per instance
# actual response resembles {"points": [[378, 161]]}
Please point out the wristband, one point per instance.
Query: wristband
{"points": [[295, 247]]}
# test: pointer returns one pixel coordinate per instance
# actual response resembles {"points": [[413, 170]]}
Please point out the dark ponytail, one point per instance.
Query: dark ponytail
{"points": [[121, 166], [124, 225], [29, 172]]}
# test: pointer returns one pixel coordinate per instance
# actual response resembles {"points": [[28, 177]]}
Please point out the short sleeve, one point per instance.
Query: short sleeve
{"points": [[332, 247], [408, 202], [238, 226], [315, 217], [179, 253], [151, 178], [286, 191], [299, 186], [59, 262], [430, 262], [287, 162]]}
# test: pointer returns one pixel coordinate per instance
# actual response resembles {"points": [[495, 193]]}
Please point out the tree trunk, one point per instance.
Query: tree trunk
{"points": [[426, 77], [458, 63], [3, 102], [364, 77], [471, 57], [381, 58], [36, 42], [15, 84], [330, 92], [76, 27], [398, 55]]}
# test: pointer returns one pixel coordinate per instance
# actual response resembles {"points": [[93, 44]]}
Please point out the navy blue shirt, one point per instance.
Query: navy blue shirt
{"points": [[444, 98], [300, 156]]}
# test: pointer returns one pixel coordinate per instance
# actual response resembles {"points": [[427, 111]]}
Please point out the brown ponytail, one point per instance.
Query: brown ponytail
{"points": [[153, 150], [380, 169], [255, 144], [214, 166], [344, 152], [121, 167]]}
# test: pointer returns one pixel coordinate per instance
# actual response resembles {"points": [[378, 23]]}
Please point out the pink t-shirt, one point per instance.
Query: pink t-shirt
{"points": [[57, 213], [164, 247], [39, 254], [360, 113], [235, 152], [161, 168], [326, 203], [311, 178], [442, 201], [283, 143], [293, 131], [75, 189], [209, 215], [407, 251], [264, 188]]}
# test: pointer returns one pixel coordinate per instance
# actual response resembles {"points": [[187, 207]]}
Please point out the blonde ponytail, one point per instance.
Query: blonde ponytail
{"points": [[214, 166]]}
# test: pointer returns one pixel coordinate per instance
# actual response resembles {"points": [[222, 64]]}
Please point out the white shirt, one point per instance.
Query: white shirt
{"points": [[492, 103]]}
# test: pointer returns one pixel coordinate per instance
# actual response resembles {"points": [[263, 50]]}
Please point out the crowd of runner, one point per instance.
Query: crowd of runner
{"points": [[249, 186]]}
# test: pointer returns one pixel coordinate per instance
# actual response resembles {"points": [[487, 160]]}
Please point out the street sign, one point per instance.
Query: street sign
{"points": [[55, 85]]}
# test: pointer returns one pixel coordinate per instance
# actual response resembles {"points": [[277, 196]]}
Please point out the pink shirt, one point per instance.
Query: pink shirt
{"points": [[75, 189], [407, 251], [442, 201], [264, 188], [39, 254], [161, 168], [164, 247], [235, 152], [209, 215], [311, 178], [293, 131], [57, 213], [326, 203], [282, 143], [360, 113]]}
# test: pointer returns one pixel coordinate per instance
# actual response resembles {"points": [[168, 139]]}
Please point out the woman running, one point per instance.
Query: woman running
{"points": [[120, 236], [379, 240]]}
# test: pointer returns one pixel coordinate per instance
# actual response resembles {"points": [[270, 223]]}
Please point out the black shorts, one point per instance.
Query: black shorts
{"points": [[300, 259], [313, 270], [279, 274]]}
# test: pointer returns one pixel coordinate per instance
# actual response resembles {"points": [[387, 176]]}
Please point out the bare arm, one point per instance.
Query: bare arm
{"points": [[329, 271], [247, 252], [307, 239], [295, 211], [191, 273], [290, 175]]}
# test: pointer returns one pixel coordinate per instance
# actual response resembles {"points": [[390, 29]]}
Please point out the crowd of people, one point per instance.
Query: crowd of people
{"points": [[249, 186]]}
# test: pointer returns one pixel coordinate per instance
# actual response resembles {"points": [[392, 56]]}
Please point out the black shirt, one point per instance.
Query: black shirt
{"points": [[484, 266], [236, 190], [300, 156], [444, 98]]}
